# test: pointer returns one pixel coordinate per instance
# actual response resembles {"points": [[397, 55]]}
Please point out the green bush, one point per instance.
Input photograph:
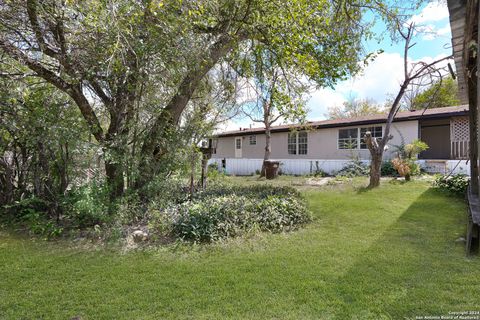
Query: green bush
{"points": [[354, 168], [19, 209], [33, 214], [164, 191], [456, 184], [387, 169], [87, 205], [230, 211]]}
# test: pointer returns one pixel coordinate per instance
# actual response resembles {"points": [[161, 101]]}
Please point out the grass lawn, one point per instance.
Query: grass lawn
{"points": [[389, 253]]}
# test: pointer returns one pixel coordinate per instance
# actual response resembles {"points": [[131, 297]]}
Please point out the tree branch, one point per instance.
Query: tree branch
{"points": [[73, 90]]}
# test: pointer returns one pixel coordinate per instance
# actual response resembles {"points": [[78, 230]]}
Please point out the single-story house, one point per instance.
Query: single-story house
{"points": [[330, 144]]}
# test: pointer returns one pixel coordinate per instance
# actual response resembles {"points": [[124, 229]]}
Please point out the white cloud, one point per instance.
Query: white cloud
{"points": [[430, 32], [321, 100], [379, 81], [433, 11], [380, 78], [236, 124], [444, 31]]}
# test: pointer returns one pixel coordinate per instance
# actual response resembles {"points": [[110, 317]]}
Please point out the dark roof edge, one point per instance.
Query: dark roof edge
{"points": [[248, 132]]}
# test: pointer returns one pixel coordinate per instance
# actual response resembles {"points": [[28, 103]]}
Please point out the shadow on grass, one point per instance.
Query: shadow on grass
{"points": [[415, 268]]}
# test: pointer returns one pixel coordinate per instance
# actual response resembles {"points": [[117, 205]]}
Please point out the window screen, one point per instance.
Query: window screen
{"points": [[348, 138], [376, 133]]}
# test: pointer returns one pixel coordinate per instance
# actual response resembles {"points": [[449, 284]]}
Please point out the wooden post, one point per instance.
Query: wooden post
{"points": [[474, 76], [471, 80]]}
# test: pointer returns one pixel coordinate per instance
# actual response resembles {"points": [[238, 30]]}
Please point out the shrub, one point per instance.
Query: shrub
{"points": [[405, 163], [230, 211], [456, 184], [33, 214], [87, 205], [19, 209], [354, 168], [387, 169], [164, 191]]}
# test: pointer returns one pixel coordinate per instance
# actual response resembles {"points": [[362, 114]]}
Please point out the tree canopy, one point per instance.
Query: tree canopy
{"points": [[354, 108], [442, 93], [135, 68]]}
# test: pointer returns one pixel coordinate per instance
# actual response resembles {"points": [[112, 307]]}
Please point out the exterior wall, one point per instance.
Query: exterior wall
{"points": [[322, 144]]}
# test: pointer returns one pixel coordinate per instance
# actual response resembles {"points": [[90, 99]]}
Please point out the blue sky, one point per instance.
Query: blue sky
{"points": [[382, 77]]}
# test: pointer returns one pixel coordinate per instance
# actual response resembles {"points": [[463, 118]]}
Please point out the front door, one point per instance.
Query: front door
{"points": [[437, 137], [238, 147]]}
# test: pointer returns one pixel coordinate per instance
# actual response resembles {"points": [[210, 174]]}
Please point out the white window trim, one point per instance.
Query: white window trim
{"points": [[359, 138], [254, 140], [297, 144], [236, 146]]}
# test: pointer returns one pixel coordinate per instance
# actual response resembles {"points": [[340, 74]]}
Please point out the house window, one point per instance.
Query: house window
{"points": [[292, 143], [302, 143], [348, 138], [212, 143], [297, 143], [253, 140], [238, 143], [376, 133]]}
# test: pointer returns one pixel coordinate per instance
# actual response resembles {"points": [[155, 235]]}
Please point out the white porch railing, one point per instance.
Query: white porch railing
{"points": [[459, 149]]}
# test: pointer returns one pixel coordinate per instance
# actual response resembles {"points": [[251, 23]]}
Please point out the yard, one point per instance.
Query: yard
{"points": [[389, 253]]}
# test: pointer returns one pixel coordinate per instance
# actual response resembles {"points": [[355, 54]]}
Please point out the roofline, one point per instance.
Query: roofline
{"points": [[248, 132]]}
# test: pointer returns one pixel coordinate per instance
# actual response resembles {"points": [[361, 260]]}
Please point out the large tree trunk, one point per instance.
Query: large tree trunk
{"points": [[376, 148], [268, 149], [114, 173], [6, 182], [375, 169], [159, 135]]}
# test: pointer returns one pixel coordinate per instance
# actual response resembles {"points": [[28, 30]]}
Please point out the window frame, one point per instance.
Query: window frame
{"points": [[291, 151], [374, 134], [359, 139], [343, 140], [297, 143], [303, 144], [252, 138], [238, 146]]}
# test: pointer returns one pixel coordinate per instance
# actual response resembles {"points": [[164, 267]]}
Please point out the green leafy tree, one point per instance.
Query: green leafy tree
{"points": [[43, 142], [132, 67], [278, 95], [442, 93], [354, 108]]}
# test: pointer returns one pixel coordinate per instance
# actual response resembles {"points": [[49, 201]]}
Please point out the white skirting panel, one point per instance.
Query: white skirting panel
{"points": [[245, 167], [242, 167], [445, 166]]}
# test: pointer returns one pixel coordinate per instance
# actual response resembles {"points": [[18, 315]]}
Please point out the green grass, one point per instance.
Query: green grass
{"points": [[389, 253]]}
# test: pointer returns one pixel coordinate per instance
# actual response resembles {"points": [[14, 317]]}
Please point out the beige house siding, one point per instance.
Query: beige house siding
{"points": [[322, 144]]}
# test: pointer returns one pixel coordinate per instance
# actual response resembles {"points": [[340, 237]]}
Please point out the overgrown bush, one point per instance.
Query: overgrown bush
{"points": [[229, 211], [456, 184], [163, 191], [354, 168], [32, 214], [87, 205], [388, 169]]}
